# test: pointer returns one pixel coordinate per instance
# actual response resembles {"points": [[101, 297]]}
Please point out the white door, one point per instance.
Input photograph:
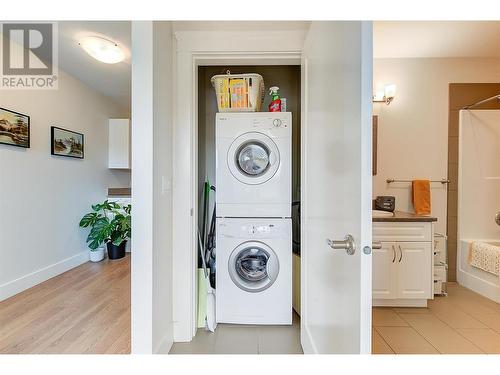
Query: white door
{"points": [[413, 258], [336, 187], [384, 272]]}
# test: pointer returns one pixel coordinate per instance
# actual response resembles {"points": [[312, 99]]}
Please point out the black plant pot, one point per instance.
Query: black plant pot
{"points": [[116, 252]]}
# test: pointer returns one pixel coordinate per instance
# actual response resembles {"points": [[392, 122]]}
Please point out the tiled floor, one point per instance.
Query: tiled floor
{"points": [[236, 339], [461, 323]]}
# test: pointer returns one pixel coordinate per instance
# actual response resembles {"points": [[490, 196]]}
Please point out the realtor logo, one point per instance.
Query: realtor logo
{"points": [[29, 56]]}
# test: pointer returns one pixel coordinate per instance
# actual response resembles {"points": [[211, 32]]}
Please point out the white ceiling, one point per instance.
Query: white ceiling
{"points": [[239, 25], [112, 80], [392, 39], [406, 39]]}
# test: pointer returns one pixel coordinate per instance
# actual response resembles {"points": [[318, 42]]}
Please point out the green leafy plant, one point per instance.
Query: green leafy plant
{"points": [[108, 222]]}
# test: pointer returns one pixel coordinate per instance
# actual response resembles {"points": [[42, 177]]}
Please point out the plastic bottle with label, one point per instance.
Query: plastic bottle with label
{"points": [[275, 105]]}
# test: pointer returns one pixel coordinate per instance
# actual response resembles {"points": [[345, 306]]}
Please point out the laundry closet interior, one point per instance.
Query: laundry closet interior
{"points": [[268, 269]]}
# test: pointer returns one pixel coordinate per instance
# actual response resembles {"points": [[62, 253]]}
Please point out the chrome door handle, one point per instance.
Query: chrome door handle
{"points": [[400, 254], [376, 245], [393, 253], [347, 244]]}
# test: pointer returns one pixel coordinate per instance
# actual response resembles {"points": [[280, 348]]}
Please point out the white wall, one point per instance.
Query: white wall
{"points": [[152, 322], [413, 129], [43, 197], [162, 190]]}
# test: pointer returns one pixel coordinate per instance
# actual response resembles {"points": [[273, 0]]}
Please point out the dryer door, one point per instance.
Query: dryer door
{"points": [[253, 158], [253, 266]]}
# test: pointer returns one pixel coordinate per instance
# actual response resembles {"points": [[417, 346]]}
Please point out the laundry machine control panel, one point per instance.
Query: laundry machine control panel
{"points": [[257, 229], [251, 230], [270, 123], [273, 124]]}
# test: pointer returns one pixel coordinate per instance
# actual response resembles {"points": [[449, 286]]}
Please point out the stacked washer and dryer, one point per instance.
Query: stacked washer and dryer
{"points": [[253, 225]]}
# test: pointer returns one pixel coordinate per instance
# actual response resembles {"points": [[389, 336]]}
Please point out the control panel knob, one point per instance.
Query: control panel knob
{"points": [[277, 122]]}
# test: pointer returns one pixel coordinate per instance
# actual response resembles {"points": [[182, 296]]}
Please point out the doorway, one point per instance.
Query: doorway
{"points": [[335, 137], [256, 339]]}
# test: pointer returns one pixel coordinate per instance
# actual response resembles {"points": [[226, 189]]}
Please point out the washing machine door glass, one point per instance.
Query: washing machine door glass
{"points": [[253, 158], [253, 266]]}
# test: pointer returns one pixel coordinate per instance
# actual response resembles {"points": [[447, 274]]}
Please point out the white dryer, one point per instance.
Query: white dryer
{"points": [[254, 164], [254, 271]]}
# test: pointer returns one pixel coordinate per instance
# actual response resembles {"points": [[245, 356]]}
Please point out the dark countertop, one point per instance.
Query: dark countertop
{"points": [[400, 216], [120, 192]]}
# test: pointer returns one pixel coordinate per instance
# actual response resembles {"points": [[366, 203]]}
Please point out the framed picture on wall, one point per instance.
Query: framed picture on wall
{"points": [[14, 128], [66, 143]]}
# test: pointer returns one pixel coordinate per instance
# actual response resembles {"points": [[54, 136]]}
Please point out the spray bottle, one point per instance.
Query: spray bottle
{"points": [[275, 105]]}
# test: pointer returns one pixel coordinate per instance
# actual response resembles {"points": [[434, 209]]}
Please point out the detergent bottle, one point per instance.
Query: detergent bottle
{"points": [[275, 105]]}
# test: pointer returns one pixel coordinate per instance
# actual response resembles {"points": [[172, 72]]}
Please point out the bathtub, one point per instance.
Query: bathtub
{"points": [[479, 281]]}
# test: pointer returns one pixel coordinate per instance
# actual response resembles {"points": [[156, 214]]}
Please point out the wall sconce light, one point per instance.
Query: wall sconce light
{"points": [[385, 96]]}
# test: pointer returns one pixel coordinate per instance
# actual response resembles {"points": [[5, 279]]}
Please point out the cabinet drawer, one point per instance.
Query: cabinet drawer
{"points": [[440, 272], [402, 231]]}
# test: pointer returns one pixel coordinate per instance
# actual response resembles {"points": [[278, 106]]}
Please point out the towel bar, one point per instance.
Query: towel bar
{"points": [[391, 180]]}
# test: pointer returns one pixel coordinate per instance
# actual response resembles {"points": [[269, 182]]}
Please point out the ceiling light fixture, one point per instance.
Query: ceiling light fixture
{"points": [[102, 49]]}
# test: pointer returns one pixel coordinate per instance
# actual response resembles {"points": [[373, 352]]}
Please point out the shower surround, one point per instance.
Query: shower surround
{"points": [[478, 195]]}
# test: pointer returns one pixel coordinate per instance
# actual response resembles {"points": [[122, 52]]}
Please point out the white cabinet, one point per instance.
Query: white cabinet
{"points": [[384, 283], [403, 267], [414, 270], [119, 144]]}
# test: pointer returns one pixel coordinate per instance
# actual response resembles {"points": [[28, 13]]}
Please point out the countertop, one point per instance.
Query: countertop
{"points": [[119, 192], [404, 217]]}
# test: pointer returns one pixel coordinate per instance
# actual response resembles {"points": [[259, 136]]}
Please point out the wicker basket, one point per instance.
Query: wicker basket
{"points": [[239, 92]]}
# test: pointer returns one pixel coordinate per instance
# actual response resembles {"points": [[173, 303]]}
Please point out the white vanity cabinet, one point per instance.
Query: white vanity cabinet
{"points": [[403, 267]]}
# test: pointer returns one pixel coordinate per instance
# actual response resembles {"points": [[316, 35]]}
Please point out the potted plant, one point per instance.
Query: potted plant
{"points": [[110, 224], [96, 255]]}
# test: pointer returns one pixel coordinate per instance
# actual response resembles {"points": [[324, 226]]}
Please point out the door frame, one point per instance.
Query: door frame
{"points": [[195, 48]]}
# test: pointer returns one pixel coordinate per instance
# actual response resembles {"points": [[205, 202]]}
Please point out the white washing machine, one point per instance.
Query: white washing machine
{"points": [[254, 164], [254, 271]]}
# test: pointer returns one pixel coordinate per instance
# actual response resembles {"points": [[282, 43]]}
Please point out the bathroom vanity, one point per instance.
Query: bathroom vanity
{"points": [[403, 266]]}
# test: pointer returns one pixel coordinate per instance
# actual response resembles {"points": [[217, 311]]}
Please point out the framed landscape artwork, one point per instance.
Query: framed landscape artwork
{"points": [[66, 143], [14, 128]]}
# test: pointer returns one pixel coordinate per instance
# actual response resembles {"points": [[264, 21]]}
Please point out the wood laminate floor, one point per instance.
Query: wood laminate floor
{"points": [[84, 310]]}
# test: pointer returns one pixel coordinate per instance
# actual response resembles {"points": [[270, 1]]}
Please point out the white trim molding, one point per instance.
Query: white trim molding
{"points": [[195, 48], [13, 287]]}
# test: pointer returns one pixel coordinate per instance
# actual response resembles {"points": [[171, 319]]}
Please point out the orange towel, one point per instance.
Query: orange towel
{"points": [[421, 196]]}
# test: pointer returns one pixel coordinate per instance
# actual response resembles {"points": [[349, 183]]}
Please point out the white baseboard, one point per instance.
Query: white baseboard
{"points": [[13, 287], [306, 341], [399, 303], [479, 285], [164, 345]]}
